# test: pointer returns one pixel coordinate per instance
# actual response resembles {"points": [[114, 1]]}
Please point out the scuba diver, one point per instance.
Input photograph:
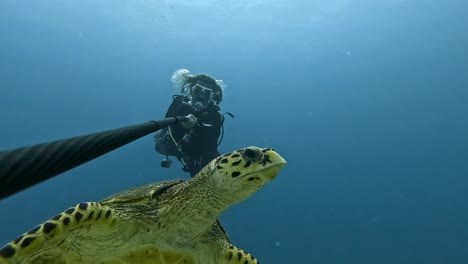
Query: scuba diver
{"points": [[194, 144]]}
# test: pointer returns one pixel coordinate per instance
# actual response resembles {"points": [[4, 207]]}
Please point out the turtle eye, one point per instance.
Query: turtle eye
{"points": [[252, 154], [249, 154]]}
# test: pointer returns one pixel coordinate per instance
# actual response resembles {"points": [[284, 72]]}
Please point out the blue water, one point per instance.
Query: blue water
{"points": [[367, 100]]}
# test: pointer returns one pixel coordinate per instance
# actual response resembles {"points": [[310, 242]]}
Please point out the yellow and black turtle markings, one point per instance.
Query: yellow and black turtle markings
{"points": [[237, 161], [236, 255], [55, 227]]}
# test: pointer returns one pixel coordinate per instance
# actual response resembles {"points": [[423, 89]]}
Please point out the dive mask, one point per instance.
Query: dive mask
{"points": [[202, 97]]}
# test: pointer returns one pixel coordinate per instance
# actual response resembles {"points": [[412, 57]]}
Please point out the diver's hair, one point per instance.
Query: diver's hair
{"points": [[184, 80]]}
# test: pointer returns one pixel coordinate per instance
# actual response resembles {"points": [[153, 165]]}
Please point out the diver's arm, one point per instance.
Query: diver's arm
{"points": [[175, 109]]}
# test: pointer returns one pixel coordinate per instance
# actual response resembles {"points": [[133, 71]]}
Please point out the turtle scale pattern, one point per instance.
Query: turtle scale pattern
{"points": [[172, 222]]}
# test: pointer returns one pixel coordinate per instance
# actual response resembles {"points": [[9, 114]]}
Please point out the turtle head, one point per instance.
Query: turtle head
{"points": [[241, 173]]}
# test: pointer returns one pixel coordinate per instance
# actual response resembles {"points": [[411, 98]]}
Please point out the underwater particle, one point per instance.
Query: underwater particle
{"points": [[277, 243]]}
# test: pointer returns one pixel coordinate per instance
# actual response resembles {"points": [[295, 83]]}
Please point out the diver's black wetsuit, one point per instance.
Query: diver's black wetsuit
{"points": [[202, 146]]}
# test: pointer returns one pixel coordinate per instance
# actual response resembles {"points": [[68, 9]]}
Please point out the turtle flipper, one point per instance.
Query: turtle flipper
{"points": [[52, 233], [234, 255]]}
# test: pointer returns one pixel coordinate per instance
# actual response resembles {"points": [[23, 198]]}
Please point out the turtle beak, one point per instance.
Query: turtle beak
{"points": [[271, 172], [271, 161]]}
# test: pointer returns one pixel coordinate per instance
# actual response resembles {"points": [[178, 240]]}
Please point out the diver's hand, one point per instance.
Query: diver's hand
{"points": [[191, 122]]}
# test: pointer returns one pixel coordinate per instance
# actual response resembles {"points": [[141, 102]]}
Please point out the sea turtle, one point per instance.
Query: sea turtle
{"points": [[172, 222]]}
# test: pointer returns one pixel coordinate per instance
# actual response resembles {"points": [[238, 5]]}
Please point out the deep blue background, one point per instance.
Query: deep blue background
{"points": [[367, 100]]}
